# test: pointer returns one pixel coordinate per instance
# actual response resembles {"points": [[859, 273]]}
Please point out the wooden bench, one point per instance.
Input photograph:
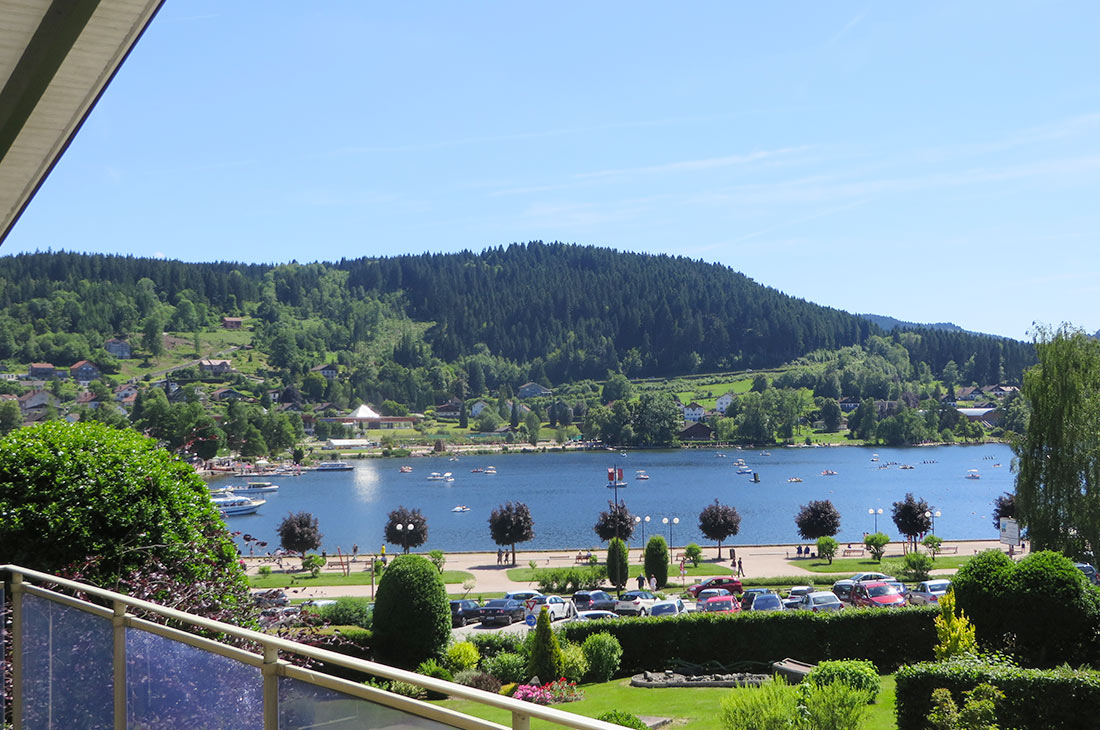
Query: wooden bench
{"points": [[680, 557], [582, 557], [854, 552], [949, 549]]}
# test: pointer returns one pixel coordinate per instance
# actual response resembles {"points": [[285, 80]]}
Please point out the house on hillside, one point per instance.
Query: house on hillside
{"points": [[215, 367], [533, 390], [84, 372], [693, 412], [697, 431], [36, 400], [989, 417], [1000, 391], [227, 394], [968, 392], [848, 404], [724, 401], [477, 408], [41, 370], [329, 371], [118, 348], [232, 323], [452, 408]]}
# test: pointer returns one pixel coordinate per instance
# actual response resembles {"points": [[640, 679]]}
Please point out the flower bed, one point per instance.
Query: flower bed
{"points": [[550, 693]]}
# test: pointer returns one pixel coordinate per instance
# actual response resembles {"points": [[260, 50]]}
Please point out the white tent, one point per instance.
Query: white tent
{"points": [[363, 412]]}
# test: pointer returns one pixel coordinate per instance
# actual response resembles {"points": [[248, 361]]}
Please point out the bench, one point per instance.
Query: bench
{"points": [[680, 557], [582, 557], [949, 549], [854, 552], [792, 670]]}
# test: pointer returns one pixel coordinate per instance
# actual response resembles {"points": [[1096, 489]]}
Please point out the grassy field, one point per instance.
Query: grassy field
{"points": [[356, 578], [531, 575], [860, 565], [691, 708]]}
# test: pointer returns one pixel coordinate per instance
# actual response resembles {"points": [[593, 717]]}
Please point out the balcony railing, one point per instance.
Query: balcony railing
{"points": [[78, 664]]}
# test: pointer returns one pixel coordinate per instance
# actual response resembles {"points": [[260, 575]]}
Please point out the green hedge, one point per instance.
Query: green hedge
{"points": [[888, 637], [1036, 699]]}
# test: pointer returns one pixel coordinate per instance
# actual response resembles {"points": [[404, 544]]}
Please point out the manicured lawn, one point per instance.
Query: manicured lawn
{"points": [[531, 575], [692, 708], [357, 578], [860, 565]]}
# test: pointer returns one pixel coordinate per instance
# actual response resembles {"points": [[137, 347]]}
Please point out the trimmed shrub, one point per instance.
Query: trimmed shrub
{"points": [[574, 665], [412, 614], [856, 673], [478, 680], [460, 657], [490, 644], [604, 654], [652, 643], [656, 560], [618, 562], [626, 719], [545, 660], [571, 580], [348, 612], [509, 667], [1036, 699]]}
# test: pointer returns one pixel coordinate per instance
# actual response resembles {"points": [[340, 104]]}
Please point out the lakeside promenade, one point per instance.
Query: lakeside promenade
{"points": [[758, 561]]}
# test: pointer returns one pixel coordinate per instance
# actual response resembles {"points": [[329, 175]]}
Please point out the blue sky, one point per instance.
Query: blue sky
{"points": [[929, 161]]}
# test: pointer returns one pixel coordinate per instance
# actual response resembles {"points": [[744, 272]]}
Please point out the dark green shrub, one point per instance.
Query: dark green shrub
{"points": [[571, 580], [491, 644], [1035, 699], [656, 559], [412, 615], [508, 667], [652, 643], [545, 660], [478, 680], [617, 562], [70, 492], [604, 654], [621, 717], [432, 668], [856, 673], [348, 612]]}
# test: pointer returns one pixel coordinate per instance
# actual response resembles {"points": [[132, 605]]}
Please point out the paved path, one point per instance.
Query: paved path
{"points": [[758, 560]]}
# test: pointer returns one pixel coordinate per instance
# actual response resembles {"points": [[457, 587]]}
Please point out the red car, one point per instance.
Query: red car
{"points": [[876, 595], [721, 604], [729, 582]]}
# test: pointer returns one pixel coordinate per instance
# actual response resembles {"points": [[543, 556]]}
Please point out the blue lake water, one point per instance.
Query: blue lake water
{"points": [[566, 491]]}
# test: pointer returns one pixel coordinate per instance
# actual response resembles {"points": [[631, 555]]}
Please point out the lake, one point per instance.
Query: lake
{"points": [[566, 491]]}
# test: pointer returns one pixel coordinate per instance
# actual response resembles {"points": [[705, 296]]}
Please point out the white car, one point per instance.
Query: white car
{"points": [[819, 601], [595, 615], [635, 603], [522, 596], [557, 606], [794, 595], [929, 592], [668, 608], [865, 577]]}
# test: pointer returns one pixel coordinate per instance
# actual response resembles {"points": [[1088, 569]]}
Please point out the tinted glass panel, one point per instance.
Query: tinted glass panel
{"points": [[303, 705]]}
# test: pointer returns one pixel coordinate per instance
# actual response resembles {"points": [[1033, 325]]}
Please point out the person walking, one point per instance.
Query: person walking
{"points": [[354, 552], [641, 581], [652, 584], [740, 569], [500, 556]]}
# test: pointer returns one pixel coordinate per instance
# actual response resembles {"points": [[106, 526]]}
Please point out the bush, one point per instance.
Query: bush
{"points": [[856, 673], [834, 706], [490, 644], [574, 665], [618, 560], [694, 553], [461, 656], [544, 660], [348, 612], [604, 653], [571, 580], [620, 717], [656, 559], [478, 680], [1036, 699], [438, 559], [313, 564], [771, 706], [508, 667], [652, 643], [432, 668], [412, 615], [915, 566]]}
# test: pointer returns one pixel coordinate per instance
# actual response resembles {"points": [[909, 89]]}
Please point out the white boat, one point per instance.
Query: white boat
{"points": [[795, 480], [744, 469], [435, 477], [490, 470], [333, 466], [406, 469], [461, 508], [874, 457], [973, 474], [448, 477], [640, 474], [617, 483], [453, 458], [232, 504], [255, 487]]}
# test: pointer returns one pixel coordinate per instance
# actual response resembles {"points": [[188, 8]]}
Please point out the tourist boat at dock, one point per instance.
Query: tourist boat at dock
{"points": [[333, 466], [256, 487], [231, 504]]}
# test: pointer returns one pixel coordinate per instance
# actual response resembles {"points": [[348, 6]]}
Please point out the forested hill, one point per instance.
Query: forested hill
{"points": [[564, 311]]}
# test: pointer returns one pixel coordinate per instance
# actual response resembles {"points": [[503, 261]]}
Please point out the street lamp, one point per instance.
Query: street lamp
{"points": [[639, 521], [405, 531], [871, 511], [670, 523], [932, 516]]}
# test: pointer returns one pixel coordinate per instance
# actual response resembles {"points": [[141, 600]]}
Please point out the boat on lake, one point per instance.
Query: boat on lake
{"points": [[460, 508], [490, 470], [406, 469], [435, 476], [795, 480], [448, 477], [640, 474], [333, 466], [828, 473], [256, 487], [233, 504], [973, 474], [477, 470], [744, 469]]}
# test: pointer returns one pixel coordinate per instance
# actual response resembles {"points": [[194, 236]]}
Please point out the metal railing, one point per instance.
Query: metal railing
{"points": [[70, 656]]}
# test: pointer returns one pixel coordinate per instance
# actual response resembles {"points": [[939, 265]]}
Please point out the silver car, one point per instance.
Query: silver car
{"points": [[668, 608], [819, 601], [766, 602], [928, 592]]}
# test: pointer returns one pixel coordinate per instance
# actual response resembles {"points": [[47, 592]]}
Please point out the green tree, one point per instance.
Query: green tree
{"points": [[657, 420], [656, 559], [618, 560], [532, 423], [826, 547], [719, 521], [152, 335], [831, 415], [616, 388], [545, 660], [1058, 479], [511, 523], [614, 522], [876, 543], [817, 519], [909, 517], [10, 416], [412, 615]]}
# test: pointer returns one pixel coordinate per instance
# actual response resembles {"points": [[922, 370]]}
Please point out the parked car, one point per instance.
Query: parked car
{"points": [[928, 592], [555, 605], [595, 615], [877, 594], [842, 589], [764, 602], [722, 604], [502, 611], [521, 596], [1089, 571], [635, 602], [750, 594], [863, 577], [794, 595], [819, 601], [899, 586], [279, 615], [729, 582], [711, 593], [465, 611], [593, 601], [270, 598], [668, 608]]}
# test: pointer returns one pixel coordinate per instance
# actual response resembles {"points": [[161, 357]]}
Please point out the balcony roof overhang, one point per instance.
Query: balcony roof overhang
{"points": [[56, 59]]}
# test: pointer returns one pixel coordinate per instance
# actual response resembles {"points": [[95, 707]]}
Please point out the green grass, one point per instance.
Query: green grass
{"points": [[529, 575], [359, 578], [858, 565], [692, 708]]}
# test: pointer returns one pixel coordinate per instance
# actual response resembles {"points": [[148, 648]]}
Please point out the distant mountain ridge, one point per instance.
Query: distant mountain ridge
{"points": [[887, 323]]}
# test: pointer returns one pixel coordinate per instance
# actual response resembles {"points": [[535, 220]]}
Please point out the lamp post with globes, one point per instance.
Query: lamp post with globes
{"points": [[876, 513], [638, 520], [405, 531], [932, 516], [670, 523]]}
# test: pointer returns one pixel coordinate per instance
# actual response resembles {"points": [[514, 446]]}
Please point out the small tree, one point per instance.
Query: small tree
{"points": [[656, 559], [545, 660], [719, 521], [909, 517], [406, 537], [412, 615], [618, 567], [817, 519], [955, 633], [826, 548], [616, 521], [933, 544], [298, 533], [876, 543], [1003, 506], [511, 523], [694, 553]]}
